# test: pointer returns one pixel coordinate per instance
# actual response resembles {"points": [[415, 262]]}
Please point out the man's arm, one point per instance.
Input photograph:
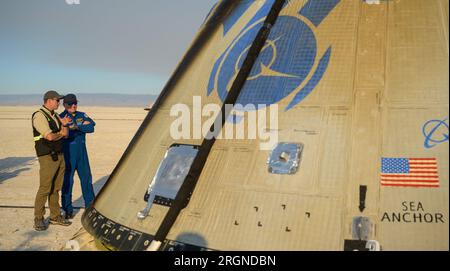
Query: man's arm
{"points": [[41, 124], [54, 136], [64, 133], [87, 126], [66, 121]]}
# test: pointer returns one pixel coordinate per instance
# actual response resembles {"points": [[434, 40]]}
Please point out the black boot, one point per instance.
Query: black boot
{"points": [[59, 220], [69, 216], [39, 224]]}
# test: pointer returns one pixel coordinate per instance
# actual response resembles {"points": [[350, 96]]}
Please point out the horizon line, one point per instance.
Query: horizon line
{"points": [[95, 93]]}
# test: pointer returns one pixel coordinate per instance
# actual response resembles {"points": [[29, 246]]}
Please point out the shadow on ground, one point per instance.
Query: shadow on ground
{"points": [[29, 236], [11, 167], [189, 238]]}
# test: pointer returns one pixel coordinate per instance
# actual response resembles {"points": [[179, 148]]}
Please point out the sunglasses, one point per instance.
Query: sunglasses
{"points": [[70, 104]]}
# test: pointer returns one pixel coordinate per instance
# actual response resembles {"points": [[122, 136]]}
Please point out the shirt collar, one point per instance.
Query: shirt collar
{"points": [[48, 111]]}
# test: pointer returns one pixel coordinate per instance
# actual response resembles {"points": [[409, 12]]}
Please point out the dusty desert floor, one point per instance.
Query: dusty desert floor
{"points": [[19, 171]]}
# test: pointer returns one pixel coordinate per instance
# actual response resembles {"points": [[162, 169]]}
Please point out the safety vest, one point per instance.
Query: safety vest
{"points": [[42, 145]]}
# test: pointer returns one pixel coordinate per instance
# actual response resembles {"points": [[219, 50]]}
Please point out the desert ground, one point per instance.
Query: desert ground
{"points": [[19, 171]]}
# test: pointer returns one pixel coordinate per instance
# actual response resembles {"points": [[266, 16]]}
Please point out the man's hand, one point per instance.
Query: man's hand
{"points": [[73, 127], [65, 121], [86, 122]]}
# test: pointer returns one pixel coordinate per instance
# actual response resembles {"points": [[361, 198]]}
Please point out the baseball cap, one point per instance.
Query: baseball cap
{"points": [[51, 94], [70, 99]]}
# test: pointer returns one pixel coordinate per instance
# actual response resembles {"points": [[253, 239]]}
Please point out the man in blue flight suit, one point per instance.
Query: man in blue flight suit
{"points": [[75, 155]]}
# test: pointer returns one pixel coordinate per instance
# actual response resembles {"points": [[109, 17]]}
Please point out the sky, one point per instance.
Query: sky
{"points": [[96, 46]]}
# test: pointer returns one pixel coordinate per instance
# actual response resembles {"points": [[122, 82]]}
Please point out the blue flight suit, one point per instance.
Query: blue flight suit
{"points": [[76, 157]]}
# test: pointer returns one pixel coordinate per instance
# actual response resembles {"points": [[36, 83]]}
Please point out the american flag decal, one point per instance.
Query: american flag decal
{"points": [[409, 172]]}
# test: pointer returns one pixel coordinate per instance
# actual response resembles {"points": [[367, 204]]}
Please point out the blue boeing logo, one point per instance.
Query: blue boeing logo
{"points": [[287, 63], [435, 132]]}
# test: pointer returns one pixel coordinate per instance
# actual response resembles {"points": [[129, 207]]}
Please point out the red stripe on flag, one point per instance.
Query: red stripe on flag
{"points": [[410, 185], [410, 180], [410, 175]]}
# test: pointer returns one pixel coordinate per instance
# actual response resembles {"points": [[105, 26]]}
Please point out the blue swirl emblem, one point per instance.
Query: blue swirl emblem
{"points": [[435, 132], [289, 61]]}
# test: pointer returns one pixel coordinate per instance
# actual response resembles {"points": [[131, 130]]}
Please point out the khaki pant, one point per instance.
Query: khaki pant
{"points": [[51, 175]]}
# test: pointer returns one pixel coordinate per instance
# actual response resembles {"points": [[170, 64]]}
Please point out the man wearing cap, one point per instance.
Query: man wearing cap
{"points": [[48, 131], [76, 155]]}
